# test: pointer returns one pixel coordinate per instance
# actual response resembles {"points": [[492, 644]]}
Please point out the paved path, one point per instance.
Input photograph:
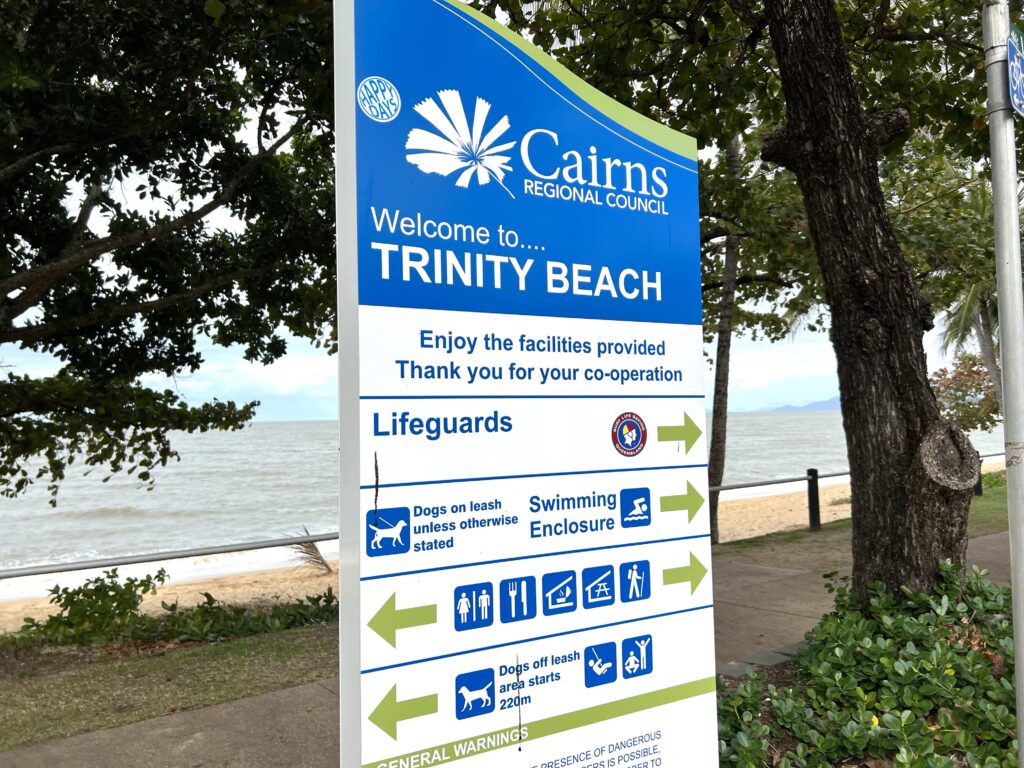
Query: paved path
{"points": [[759, 610]]}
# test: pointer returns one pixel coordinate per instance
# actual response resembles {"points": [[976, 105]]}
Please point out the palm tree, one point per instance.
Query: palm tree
{"points": [[974, 312]]}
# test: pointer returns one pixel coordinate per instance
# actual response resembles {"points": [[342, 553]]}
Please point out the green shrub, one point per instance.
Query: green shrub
{"points": [[105, 610], [922, 680], [994, 479], [102, 608]]}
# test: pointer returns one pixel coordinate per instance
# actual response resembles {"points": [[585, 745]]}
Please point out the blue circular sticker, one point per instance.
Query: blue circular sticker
{"points": [[629, 434], [379, 99]]}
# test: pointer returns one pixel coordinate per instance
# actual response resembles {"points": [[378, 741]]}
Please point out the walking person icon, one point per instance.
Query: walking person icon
{"points": [[635, 580], [636, 583]]}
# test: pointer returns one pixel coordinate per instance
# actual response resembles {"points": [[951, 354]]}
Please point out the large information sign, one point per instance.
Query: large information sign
{"points": [[525, 541]]}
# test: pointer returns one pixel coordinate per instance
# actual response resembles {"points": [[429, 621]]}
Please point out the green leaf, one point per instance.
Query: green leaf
{"points": [[214, 8]]}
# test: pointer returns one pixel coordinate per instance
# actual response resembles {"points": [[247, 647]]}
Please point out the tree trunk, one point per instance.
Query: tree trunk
{"points": [[911, 471], [987, 346], [726, 317]]}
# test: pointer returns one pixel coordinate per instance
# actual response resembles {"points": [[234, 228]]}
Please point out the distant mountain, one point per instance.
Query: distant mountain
{"points": [[821, 405]]}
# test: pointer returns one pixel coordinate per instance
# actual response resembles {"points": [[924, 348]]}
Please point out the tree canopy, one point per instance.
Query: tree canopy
{"points": [[828, 89], [166, 177]]}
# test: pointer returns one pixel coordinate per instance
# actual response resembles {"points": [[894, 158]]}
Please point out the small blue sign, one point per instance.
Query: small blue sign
{"points": [[635, 507], [598, 586], [387, 531], [518, 599], [474, 693], [599, 665], [637, 656], [1015, 62], [558, 592], [635, 581], [474, 606]]}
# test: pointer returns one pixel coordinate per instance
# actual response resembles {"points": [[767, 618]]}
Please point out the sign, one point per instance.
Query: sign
{"points": [[1015, 61], [525, 544]]}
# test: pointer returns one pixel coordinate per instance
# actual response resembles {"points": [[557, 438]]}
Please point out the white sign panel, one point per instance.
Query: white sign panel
{"points": [[525, 541]]}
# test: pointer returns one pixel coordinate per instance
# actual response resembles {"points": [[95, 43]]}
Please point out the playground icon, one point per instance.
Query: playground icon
{"points": [[599, 665], [637, 656]]}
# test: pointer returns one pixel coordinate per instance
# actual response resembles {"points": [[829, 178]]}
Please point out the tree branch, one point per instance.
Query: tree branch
{"points": [[40, 331], [10, 172], [754, 280], [76, 255], [962, 185], [888, 124]]}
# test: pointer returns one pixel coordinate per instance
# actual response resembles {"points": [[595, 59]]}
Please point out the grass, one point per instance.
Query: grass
{"points": [[53, 692], [829, 549], [50, 692]]}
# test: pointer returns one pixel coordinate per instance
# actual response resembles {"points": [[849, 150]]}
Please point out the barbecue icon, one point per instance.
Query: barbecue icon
{"points": [[559, 592]]}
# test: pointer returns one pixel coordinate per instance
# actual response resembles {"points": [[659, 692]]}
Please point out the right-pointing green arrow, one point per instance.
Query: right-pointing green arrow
{"points": [[693, 573], [390, 712], [687, 433], [388, 620], [690, 503]]}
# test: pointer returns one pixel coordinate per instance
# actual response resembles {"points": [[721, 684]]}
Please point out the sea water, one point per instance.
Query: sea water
{"points": [[271, 480]]}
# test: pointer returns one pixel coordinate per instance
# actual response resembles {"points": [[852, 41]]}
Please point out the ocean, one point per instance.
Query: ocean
{"points": [[272, 479]]}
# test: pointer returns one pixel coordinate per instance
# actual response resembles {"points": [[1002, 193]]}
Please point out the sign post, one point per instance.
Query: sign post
{"points": [[525, 545], [1005, 83]]}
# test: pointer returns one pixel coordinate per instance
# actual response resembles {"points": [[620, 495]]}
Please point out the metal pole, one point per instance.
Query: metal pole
{"points": [[351, 507], [996, 24], [813, 500]]}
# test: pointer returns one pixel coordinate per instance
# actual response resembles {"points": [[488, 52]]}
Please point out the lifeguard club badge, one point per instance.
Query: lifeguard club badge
{"points": [[629, 434]]}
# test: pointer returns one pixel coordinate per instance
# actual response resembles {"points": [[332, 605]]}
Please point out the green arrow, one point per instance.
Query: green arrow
{"points": [[687, 433], [388, 620], [690, 503], [390, 712], [693, 573]]}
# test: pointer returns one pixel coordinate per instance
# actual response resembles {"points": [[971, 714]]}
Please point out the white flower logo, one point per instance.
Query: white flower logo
{"points": [[457, 148]]}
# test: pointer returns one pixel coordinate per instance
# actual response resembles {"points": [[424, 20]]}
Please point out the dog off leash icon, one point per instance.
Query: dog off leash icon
{"points": [[474, 693]]}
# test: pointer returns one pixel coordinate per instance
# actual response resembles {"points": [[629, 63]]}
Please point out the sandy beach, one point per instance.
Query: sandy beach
{"points": [[277, 584], [737, 519]]}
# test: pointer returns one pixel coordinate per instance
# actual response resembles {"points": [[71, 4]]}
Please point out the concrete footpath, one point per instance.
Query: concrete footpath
{"points": [[761, 615]]}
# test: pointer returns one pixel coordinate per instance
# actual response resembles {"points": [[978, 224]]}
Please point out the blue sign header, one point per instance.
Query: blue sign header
{"points": [[490, 180]]}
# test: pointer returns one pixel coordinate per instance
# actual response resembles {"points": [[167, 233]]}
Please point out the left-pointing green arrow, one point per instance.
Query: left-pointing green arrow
{"points": [[687, 433], [690, 503], [390, 712], [388, 620], [693, 573]]}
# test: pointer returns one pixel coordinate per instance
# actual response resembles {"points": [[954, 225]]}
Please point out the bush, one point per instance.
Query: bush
{"points": [[919, 681], [106, 610], [101, 609]]}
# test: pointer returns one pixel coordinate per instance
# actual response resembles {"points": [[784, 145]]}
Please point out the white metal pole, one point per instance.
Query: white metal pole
{"points": [[350, 703], [996, 24]]}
